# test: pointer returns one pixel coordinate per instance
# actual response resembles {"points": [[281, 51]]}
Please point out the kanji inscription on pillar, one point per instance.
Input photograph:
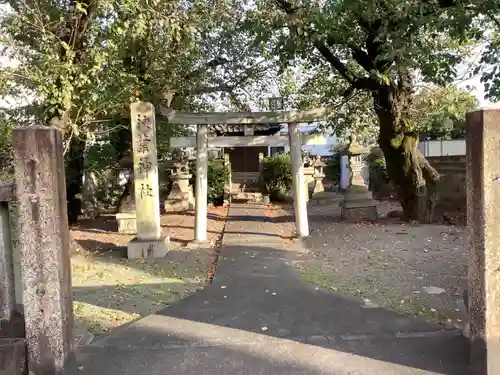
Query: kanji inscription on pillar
{"points": [[145, 171]]}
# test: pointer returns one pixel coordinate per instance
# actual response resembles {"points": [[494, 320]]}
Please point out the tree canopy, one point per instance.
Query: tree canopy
{"points": [[82, 62]]}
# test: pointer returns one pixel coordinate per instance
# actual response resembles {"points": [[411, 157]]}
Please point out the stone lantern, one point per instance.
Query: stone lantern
{"points": [[181, 196], [126, 216], [318, 175], [358, 201]]}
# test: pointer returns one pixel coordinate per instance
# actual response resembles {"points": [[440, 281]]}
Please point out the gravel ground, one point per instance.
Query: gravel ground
{"points": [[412, 269], [110, 290]]}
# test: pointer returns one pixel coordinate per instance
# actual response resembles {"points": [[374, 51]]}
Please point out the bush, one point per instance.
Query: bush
{"points": [[277, 176], [380, 183], [218, 178]]}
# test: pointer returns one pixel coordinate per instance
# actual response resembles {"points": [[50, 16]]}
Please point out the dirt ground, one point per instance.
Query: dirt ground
{"points": [[109, 290], [412, 269]]}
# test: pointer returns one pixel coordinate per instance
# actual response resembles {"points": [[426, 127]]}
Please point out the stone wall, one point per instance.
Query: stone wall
{"points": [[452, 188], [453, 183]]}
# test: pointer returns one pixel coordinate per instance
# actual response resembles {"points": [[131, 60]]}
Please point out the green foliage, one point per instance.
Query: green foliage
{"points": [[488, 67], [6, 156], [379, 178], [277, 176], [439, 112], [218, 179], [349, 52], [84, 61]]}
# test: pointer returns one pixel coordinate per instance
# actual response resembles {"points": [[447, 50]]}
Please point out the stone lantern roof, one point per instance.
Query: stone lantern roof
{"points": [[318, 162]]}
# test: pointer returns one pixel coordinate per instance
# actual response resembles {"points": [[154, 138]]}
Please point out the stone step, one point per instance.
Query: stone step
{"points": [[247, 197]]}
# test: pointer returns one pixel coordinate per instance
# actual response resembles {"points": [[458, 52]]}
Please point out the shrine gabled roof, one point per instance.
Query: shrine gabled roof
{"points": [[239, 129]]}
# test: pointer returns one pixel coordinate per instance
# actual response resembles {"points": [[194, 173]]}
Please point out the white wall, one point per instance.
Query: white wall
{"points": [[442, 148]]}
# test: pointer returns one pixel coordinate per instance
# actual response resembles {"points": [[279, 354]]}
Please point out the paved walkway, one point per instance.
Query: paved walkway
{"points": [[258, 317]]}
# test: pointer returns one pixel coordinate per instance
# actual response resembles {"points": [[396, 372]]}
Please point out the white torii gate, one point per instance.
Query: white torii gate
{"points": [[202, 142]]}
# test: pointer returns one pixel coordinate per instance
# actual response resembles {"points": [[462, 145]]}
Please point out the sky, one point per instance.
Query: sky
{"points": [[478, 87]]}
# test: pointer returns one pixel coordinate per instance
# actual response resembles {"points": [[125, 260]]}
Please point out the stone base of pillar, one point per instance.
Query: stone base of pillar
{"points": [[148, 249], [127, 222], [199, 244], [359, 210], [325, 198]]}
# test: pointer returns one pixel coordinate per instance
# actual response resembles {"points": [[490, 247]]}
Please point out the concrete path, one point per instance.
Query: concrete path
{"points": [[259, 317]]}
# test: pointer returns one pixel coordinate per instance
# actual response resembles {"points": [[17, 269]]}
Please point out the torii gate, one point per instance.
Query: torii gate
{"points": [[202, 142]]}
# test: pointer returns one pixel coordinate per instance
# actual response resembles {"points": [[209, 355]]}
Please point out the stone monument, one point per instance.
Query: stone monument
{"points": [[358, 201], [181, 196], [150, 242], [44, 249]]}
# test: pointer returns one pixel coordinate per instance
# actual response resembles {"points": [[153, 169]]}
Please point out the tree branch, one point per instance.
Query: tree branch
{"points": [[214, 63], [335, 62], [319, 44]]}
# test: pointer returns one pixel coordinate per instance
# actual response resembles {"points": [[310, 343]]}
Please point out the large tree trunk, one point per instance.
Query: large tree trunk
{"points": [[75, 158], [415, 180]]}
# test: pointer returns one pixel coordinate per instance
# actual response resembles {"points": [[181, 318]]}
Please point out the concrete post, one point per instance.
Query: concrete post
{"points": [[200, 230], [299, 185], [44, 248], [150, 241], [483, 223]]}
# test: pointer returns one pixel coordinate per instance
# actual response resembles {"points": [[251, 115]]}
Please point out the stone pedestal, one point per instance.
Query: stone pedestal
{"points": [[126, 216], [181, 196], [150, 241], [148, 249], [483, 224], [127, 222], [358, 204]]}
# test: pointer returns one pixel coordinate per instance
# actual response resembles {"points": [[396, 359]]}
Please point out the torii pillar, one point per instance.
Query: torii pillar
{"points": [[298, 181]]}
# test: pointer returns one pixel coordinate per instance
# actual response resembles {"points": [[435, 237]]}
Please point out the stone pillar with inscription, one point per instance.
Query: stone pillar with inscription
{"points": [[149, 242], [483, 224], [358, 204], [44, 247]]}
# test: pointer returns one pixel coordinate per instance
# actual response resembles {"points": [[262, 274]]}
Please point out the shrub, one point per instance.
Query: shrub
{"points": [[380, 183], [217, 176], [277, 176]]}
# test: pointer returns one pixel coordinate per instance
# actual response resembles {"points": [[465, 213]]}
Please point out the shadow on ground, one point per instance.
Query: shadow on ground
{"points": [[263, 319]]}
